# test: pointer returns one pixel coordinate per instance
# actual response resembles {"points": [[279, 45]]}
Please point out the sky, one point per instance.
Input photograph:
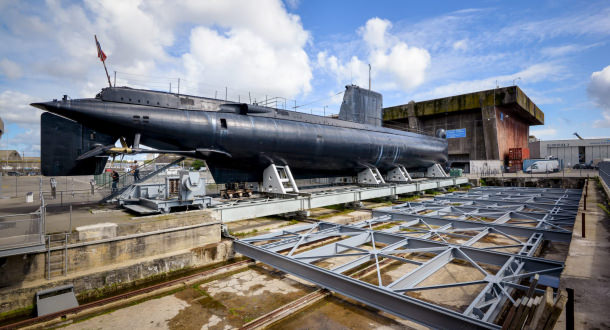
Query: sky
{"points": [[303, 53]]}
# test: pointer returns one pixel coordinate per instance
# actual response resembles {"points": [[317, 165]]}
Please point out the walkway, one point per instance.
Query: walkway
{"points": [[587, 268]]}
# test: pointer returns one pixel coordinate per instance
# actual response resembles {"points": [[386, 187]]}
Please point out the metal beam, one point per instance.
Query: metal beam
{"points": [[232, 211], [551, 235], [397, 245], [394, 303]]}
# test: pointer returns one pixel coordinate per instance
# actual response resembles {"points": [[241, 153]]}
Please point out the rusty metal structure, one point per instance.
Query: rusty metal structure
{"points": [[490, 122]]}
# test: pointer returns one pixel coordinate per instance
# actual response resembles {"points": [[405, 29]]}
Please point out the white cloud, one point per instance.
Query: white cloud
{"points": [[532, 74], [603, 123], [10, 69], [15, 108], [591, 21], [599, 87], [558, 51], [27, 141], [247, 60], [543, 132], [599, 91], [152, 38], [395, 65], [293, 4], [248, 45], [461, 45]]}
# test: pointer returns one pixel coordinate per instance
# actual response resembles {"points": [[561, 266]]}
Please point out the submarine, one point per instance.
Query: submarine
{"points": [[238, 141]]}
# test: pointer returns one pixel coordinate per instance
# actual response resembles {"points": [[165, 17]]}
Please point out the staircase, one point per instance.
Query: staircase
{"points": [[127, 182], [57, 255]]}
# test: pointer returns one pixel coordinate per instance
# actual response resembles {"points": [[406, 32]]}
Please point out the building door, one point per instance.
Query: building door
{"points": [[581, 155]]}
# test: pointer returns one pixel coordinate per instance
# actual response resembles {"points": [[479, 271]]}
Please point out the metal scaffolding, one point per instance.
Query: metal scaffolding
{"points": [[496, 240]]}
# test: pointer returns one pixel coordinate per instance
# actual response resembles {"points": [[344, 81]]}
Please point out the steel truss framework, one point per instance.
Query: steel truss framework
{"points": [[453, 228]]}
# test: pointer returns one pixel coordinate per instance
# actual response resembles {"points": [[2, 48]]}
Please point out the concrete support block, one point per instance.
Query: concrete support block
{"points": [[96, 231], [303, 214], [488, 115], [354, 205]]}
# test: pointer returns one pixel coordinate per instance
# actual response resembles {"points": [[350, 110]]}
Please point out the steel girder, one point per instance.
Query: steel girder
{"points": [[551, 222], [429, 234], [383, 299], [390, 297], [467, 225], [499, 194]]}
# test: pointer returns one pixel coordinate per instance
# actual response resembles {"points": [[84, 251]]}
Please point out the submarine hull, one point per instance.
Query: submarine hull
{"points": [[313, 146]]}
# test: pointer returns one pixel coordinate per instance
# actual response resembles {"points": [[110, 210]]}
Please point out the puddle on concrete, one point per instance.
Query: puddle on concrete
{"points": [[336, 313]]}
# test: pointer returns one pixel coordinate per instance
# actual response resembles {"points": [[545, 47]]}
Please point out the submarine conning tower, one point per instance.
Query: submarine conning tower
{"points": [[361, 106]]}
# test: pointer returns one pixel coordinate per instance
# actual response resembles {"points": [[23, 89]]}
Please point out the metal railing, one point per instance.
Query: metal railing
{"points": [[604, 172], [103, 181], [565, 173], [23, 233], [183, 86]]}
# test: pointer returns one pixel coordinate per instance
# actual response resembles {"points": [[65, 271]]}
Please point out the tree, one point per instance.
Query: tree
{"points": [[197, 164]]}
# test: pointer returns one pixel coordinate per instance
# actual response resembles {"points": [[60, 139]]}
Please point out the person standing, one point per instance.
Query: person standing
{"points": [[136, 171], [115, 180]]}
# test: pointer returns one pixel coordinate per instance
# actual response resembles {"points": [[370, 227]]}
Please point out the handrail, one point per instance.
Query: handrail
{"points": [[128, 174]]}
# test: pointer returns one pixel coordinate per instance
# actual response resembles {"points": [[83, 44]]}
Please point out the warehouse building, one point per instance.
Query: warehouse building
{"points": [[481, 127], [573, 151]]}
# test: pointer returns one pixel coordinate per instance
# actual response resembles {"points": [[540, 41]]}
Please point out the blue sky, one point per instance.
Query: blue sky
{"points": [[307, 51]]}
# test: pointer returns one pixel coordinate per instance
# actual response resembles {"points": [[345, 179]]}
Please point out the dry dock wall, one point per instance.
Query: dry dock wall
{"points": [[139, 251]]}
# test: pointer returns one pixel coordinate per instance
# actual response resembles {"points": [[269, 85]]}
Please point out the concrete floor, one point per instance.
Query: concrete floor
{"points": [[219, 304], [587, 267]]}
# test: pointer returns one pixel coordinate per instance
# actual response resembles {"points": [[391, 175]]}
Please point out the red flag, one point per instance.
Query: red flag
{"points": [[100, 52]]}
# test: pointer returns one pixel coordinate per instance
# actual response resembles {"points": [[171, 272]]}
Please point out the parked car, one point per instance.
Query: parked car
{"points": [[543, 166], [582, 166]]}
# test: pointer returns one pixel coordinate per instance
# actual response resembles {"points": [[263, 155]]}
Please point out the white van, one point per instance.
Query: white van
{"points": [[543, 166]]}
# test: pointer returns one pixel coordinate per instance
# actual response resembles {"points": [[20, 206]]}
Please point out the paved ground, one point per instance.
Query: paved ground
{"points": [[151, 314], [233, 300], [587, 267]]}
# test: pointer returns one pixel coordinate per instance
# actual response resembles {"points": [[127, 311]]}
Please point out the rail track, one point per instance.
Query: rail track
{"points": [[122, 296]]}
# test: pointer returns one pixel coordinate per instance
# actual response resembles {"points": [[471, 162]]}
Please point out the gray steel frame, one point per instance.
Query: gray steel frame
{"points": [[247, 209], [429, 233]]}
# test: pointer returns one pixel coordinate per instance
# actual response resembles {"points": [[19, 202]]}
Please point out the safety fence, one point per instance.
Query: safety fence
{"points": [[604, 172], [22, 233]]}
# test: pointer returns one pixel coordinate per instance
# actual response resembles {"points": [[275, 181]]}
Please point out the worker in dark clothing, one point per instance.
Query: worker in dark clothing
{"points": [[115, 180], [136, 171]]}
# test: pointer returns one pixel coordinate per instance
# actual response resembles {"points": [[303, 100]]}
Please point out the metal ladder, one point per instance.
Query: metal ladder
{"points": [[278, 179], [57, 255]]}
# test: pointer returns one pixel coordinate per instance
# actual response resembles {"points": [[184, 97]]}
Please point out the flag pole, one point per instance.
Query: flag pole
{"points": [[102, 57], [107, 76]]}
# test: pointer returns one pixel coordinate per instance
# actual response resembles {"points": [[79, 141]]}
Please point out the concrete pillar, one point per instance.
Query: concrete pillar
{"points": [[414, 122], [488, 115]]}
